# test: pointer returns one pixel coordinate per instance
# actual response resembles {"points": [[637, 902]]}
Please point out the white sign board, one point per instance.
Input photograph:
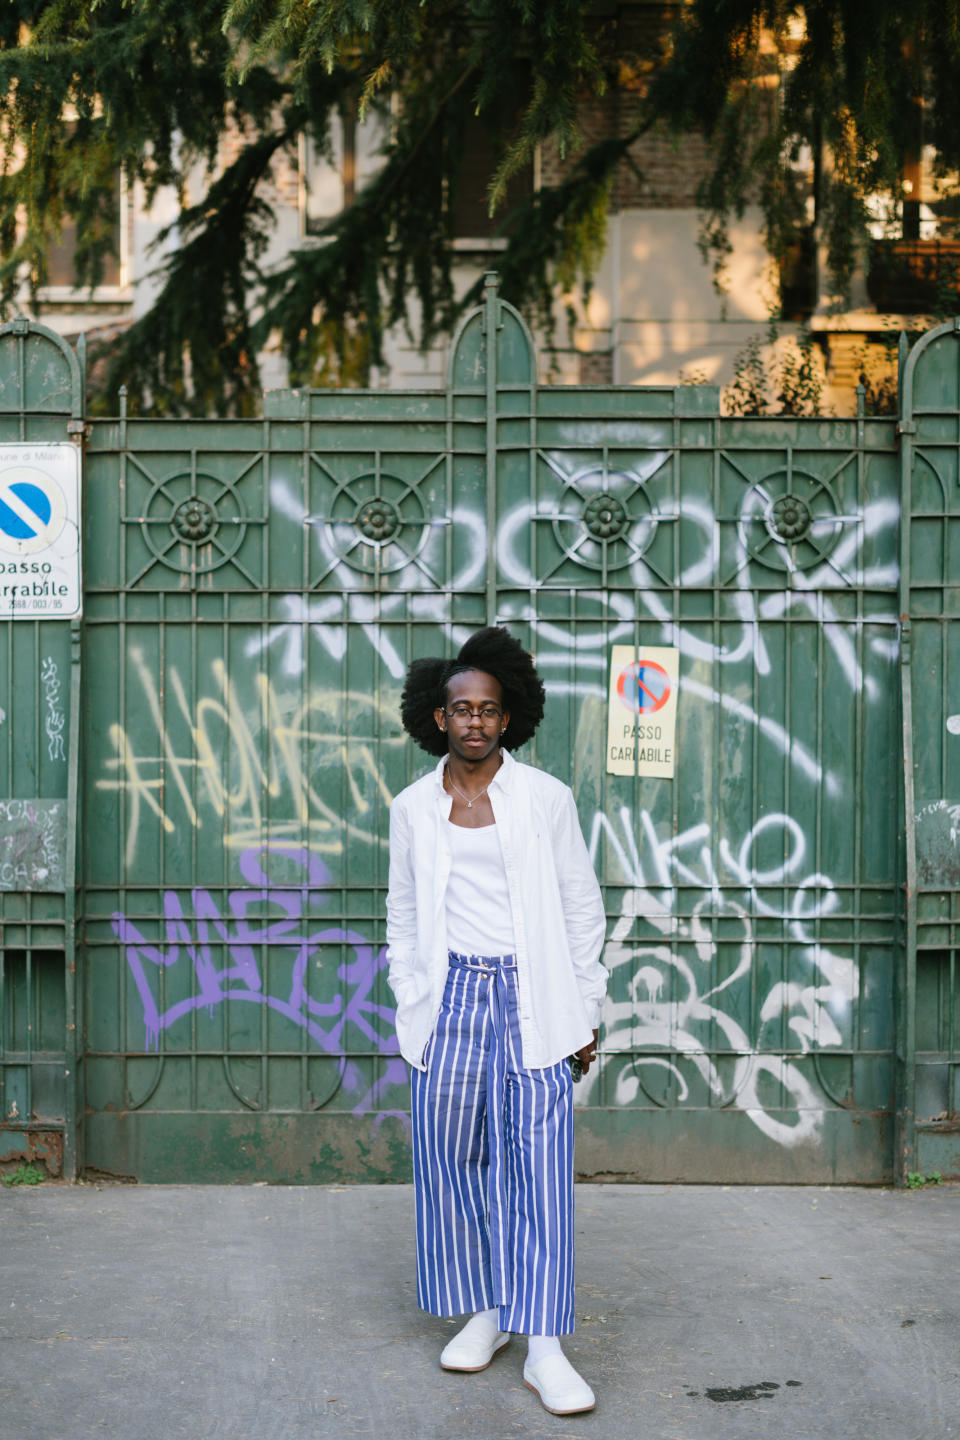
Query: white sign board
{"points": [[39, 531], [642, 710]]}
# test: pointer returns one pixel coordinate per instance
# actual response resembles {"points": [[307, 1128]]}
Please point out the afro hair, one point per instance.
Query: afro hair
{"points": [[493, 650]]}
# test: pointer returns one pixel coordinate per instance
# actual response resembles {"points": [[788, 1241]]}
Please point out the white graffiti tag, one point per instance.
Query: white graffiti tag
{"points": [[668, 995], [55, 718]]}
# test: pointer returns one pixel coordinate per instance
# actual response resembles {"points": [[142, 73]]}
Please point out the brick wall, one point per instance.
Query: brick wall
{"points": [[668, 169], [596, 367]]}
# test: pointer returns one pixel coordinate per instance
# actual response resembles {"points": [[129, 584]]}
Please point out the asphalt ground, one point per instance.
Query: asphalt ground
{"points": [[280, 1313]]}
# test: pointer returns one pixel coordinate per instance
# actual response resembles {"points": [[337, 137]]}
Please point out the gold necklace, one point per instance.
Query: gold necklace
{"points": [[482, 792]]}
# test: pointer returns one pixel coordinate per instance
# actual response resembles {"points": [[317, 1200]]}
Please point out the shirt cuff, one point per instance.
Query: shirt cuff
{"points": [[593, 1009]]}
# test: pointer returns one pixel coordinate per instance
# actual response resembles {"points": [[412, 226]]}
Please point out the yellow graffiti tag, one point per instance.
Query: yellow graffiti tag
{"points": [[255, 771]]}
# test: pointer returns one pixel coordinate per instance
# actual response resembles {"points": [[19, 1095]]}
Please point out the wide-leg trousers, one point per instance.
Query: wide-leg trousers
{"points": [[492, 1161]]}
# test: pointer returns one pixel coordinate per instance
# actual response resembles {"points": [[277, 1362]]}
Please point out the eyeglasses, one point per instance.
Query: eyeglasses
{"points": [[486, 713]]}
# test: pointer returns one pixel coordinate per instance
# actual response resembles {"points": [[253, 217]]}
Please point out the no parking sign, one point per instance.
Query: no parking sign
{"points": [[39, 531], [642, 710]]}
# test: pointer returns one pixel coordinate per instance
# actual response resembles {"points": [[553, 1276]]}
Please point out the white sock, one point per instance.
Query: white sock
{"points": [[484, 1320], [540, 1345]]}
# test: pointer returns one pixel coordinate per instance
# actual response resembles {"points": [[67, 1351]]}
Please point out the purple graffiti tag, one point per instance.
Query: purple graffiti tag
{"points": [[204, 933], [394, 1075]]}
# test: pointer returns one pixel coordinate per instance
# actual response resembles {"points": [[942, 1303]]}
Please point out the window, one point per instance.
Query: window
{"points": [[61, 271], [329, 182], [61, 254], [470, 200]]}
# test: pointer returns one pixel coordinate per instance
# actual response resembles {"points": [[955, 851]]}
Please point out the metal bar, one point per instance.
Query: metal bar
{"points": [[491, 322], [3, 1031], [73, 1102], [29, 1019], [22, 377], [906, 1018]]}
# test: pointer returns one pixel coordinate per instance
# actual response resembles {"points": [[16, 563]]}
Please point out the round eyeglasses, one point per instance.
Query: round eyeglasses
{"points": [[486, 713]]}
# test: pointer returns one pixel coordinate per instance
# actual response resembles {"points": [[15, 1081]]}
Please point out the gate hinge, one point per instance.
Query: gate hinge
{"points": [[79, 428], [907, 427]]}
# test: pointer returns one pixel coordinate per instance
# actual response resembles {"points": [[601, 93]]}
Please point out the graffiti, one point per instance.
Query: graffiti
{"points": [[55, 718], [279, 753], [33, 839], [941, 810], [426, 569], [254, 770], [256, 762], [678, 1012], [651, 607], [937, 835], [370, 614], [316, 616], [228, 951], [423, 594]]}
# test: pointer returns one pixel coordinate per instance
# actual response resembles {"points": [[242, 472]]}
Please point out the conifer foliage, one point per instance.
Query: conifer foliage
{"points": [[822, 112], [152, 88], [205, 96]]}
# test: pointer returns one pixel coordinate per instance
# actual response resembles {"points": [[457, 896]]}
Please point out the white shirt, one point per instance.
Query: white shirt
{"points": [[479, 921], [557, 909]]}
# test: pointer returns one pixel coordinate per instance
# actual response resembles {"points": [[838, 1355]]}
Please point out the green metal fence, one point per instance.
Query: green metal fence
{"points": [[929, 1028], [40, 744], [783, 992]]}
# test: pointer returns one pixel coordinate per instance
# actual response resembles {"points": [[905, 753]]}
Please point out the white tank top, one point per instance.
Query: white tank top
{"points": [[479, 921]]}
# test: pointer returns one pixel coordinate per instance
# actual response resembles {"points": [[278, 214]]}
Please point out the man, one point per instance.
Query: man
{"points": [[495, 926]]}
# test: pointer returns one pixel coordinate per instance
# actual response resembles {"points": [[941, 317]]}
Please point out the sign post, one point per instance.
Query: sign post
{"points": [[642, 710], [40, 531]]}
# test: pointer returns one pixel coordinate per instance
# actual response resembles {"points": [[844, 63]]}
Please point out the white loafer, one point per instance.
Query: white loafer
{"points": [[562, 1391], [473, 1351]]}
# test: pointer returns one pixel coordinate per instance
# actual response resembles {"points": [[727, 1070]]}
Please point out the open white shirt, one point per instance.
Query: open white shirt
{"points": [[555, 901]]}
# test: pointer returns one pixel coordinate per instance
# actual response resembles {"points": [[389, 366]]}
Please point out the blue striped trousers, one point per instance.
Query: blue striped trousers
{"points": [[492, 1161]]}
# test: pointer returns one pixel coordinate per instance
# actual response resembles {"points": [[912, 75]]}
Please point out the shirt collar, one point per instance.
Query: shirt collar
{"points": [[503, 778]]}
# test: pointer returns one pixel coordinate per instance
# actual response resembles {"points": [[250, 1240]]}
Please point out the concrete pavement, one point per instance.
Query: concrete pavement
{"points": [[269, 1313]]}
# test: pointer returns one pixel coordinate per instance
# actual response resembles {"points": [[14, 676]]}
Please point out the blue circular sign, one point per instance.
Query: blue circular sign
{"points": [[33, 510], [28, 519]]}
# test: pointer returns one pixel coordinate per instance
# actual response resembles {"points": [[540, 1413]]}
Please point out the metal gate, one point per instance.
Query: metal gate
{"points": [[254, 591], [929, 998], [41, 398]]}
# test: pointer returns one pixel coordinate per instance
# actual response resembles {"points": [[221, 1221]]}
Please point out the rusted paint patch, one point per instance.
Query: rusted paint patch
{"points": [[107, 1177], [38, 1147]]}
